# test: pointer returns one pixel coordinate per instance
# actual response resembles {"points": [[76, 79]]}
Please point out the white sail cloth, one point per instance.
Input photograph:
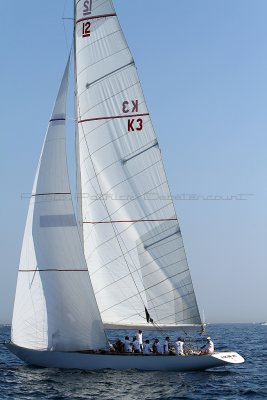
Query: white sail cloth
{"points": [[132, 240], [55, 307]]}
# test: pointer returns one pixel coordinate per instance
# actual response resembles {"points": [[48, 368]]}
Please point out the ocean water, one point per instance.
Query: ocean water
{"points": [[245, 381]]}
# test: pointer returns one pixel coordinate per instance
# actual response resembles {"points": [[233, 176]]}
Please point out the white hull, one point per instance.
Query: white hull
{"points": [[85, 361]]}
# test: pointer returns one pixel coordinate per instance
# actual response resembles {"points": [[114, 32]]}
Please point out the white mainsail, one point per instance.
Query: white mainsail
{"points": [[132, 240], [55, 307]]}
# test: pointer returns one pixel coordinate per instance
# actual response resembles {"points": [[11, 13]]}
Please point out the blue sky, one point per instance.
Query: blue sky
{"points": [[203, 67]]}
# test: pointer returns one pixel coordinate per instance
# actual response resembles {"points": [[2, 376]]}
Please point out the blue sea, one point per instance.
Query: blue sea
{"points": [[245, 381]]}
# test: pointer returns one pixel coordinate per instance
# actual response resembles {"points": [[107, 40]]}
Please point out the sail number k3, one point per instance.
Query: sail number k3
{"points": [[133, 123]]}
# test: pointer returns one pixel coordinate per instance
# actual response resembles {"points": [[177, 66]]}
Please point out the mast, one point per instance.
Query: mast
{"points": [[77, 149]]}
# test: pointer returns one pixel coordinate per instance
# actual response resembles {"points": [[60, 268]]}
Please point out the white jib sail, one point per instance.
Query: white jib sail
{"points": [[55, 307], [132, 240]]}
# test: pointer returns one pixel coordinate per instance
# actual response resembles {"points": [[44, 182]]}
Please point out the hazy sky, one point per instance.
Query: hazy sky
{"points": [[203, 67]]}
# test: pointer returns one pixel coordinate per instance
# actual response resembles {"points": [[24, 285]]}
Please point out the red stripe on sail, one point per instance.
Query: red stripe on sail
{"points": [[112, 117], [96, 17]]}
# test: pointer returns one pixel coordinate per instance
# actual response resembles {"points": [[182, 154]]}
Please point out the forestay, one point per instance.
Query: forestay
{"points": [[132, 239], [55, 307]]}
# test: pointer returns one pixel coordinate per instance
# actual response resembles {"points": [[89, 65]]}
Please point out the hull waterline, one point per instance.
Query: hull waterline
{"points": [[97, 361]]}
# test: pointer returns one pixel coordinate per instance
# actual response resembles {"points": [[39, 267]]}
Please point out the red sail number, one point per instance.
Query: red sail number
{"points": [[86, 29]]}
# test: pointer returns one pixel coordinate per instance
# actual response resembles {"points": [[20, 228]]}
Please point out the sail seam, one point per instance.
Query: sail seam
{"points": [[167, 266], [110, 73], [107, 144], [143, 291], [127, 275], [174, 299], [96, 17], [130, 250], [112, 117], [129, 221], [93, 42], [113, 96], [53, 270], [175, 289], [128, 179], [101, 60], [49, 194], [97, 248]]}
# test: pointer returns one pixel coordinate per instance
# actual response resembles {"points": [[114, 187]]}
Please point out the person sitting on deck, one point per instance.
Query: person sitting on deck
{"points": [[208, 348], [136, 345], [166, 346], [146, 348], [157, 348], [127, 345], [118, 346], [179, 347]]}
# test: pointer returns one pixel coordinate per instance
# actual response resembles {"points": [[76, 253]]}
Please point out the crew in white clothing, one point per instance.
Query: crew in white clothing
{"points": [[139, 337], [166, 346], [157, 346], [208, 348], [179, 347], [127, 345], [147, 348], [136, 345]]}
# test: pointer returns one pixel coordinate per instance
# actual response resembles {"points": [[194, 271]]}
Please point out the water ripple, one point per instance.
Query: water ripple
{"points": [[247, 381]]}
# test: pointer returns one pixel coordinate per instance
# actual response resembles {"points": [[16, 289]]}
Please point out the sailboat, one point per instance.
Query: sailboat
{"points": [[119, 262]]}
